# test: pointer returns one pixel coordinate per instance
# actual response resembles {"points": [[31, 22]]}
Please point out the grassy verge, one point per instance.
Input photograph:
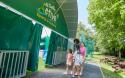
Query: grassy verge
{"points": [[41, 65], [107, 69]]}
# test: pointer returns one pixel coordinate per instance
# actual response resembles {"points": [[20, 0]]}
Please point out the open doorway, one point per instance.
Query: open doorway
{"points": [[44, 44]]}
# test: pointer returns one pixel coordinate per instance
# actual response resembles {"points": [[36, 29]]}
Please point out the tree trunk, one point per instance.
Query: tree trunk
{"points": [[119, 54]]}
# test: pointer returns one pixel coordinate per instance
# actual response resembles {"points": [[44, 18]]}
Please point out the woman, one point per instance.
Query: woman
{"points": [[83, 53], [77, 62]]}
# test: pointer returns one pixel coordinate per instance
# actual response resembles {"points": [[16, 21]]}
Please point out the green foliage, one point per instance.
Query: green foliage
{"points": [[108, 17], [87, 36], [81, 29]]}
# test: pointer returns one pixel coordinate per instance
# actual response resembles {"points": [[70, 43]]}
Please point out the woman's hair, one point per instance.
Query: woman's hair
{"points": [[76, 41], [70, 50], [78, 49]]}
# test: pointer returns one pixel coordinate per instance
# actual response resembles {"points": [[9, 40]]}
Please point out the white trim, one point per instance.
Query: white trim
{"points": [[25, 16], [101, 70]]}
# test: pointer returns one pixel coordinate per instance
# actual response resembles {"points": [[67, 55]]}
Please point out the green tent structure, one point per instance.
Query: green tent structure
{"points": [[21, 26]]}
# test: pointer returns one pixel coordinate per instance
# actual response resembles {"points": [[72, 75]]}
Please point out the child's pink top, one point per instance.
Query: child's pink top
{"points": [[69, 57]]}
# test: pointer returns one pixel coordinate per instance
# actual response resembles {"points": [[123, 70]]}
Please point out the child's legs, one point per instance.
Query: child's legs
{"points": [[70, 68], [67, 68]]}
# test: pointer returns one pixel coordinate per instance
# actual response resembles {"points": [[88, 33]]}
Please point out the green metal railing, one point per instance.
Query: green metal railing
{"points": [[59, 57]]}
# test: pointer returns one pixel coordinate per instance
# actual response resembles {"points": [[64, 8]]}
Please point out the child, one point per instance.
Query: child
{"points": [[69, 61]]}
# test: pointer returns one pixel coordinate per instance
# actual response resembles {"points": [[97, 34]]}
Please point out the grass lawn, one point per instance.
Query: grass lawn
{"points": [[107, 69]]}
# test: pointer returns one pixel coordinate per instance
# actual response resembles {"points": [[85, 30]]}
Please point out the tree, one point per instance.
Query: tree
{"points": [[108, 17]]}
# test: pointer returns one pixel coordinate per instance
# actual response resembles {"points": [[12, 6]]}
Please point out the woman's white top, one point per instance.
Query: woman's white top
{"points": [[77, 58]]}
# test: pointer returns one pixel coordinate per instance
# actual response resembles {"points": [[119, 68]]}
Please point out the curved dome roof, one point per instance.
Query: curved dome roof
{"points": [[70, 11]]}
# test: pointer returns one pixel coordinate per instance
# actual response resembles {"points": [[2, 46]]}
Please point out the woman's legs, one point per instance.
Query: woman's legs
{"points": [[74, 71], [82, 67], [78, 67]]}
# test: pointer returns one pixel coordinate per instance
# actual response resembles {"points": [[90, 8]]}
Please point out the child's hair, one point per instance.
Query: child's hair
{"points": [[70, 50]]}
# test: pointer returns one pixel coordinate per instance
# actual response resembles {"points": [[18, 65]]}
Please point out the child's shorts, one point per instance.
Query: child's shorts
{"points": [[69, 63]]}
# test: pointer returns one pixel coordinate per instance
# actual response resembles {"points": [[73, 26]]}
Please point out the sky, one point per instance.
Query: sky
{"points": [[82, 11]]}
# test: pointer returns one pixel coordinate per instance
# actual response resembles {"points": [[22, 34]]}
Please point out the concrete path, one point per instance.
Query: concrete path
{"points": [[91, 70]]}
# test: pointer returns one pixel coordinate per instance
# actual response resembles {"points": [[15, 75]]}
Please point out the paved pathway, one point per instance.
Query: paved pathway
{"points": [[91, 70]]}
